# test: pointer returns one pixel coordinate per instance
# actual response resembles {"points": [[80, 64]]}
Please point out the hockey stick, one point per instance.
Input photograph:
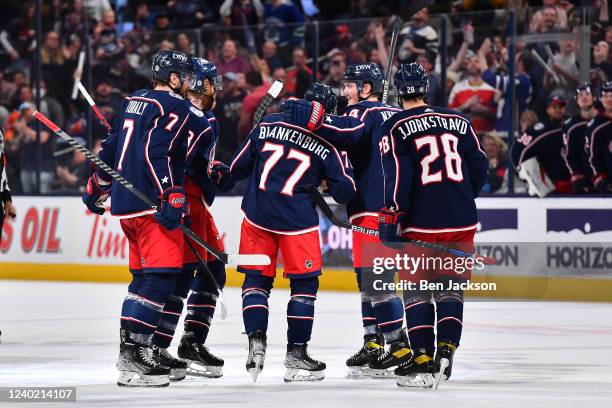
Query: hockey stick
{"points": [[329, 213], [93, 105], [398, 25], [267, 100], [228, 259]]}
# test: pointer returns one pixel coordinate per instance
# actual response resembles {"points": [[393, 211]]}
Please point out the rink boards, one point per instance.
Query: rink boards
{"points": [[548, 248]]}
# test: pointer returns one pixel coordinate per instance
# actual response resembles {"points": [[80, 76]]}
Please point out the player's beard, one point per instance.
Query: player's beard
{"points": [[208, 101]]}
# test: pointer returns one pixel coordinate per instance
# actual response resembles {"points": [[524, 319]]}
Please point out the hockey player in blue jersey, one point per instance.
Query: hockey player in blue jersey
{"points": [[353, 135], [283, 160], [148, 146], [433, 169], [599, 139], [200, 191]]}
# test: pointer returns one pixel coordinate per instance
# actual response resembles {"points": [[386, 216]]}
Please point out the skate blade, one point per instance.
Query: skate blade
{"points": [[258, 362], [381, 373], [357, 373], [444, 363], [196, 369], [299, 374], [177, 374], [419, 381], [132, 379]]}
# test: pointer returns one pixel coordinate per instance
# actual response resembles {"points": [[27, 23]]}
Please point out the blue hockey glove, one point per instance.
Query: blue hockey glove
{"points": [[173, 206], [389, 225], [96, 193], [220, 174], [305, 114]]}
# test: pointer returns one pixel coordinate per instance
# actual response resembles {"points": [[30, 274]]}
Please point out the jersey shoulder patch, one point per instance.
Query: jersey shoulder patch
{"points": [[196, 111], [568, 121], [175, 95], [538, 126], [591, 122]]}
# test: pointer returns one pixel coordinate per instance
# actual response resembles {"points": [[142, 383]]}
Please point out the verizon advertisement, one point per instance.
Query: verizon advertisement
{"points": [[60, 230]]}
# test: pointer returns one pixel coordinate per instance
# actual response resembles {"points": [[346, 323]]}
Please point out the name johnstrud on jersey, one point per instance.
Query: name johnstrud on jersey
{"points": [[425, 122], [273, 131]]}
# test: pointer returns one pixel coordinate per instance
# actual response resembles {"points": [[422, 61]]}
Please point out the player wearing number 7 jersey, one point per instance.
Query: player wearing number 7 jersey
{"points": [[283, 160], [433, 169]]}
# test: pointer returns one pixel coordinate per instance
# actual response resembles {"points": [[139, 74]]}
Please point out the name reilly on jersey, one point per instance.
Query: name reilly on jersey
{"points": [[421, 124], [294, 136]]}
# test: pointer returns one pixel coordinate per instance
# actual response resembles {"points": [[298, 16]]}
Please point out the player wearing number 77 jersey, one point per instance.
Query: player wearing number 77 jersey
{"points": [[433, 169], [283, 160]]}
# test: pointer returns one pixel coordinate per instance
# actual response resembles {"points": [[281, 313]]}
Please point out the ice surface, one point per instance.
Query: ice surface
{"points": [[512, 355]]}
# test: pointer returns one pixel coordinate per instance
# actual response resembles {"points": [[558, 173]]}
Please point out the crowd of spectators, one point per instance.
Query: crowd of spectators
{"points": [[254, 42]]}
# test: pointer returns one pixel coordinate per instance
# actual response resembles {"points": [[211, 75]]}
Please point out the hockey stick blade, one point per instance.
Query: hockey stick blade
{"points": [[223, 257], [248, 259], [267, 100]]}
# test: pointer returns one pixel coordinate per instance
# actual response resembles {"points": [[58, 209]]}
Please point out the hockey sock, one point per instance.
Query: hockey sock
{"points": [[147, 308], [132, 296], [255, 292], [389, 315], [203, 300], [173, 309], [367, 311], [300, 309], [449, 306], [420, 324]]}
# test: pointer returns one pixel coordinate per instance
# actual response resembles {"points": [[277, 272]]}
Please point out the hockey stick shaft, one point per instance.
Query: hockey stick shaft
{"points": [[223, 257], [272, 94], [322, 204], [93, 105]]}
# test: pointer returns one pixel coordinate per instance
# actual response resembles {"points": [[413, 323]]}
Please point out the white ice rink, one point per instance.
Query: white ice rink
{"points": [[512, 355]]}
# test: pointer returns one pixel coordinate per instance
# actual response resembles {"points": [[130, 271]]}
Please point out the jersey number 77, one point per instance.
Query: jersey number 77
{"points": [[278, 151]]}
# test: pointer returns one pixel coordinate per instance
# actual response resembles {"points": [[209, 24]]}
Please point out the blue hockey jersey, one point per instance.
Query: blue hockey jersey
{"points": [[147, 146], [200, 153], [433, 169], [599, 139], [362, 149], [575, 143], [283, 160]]}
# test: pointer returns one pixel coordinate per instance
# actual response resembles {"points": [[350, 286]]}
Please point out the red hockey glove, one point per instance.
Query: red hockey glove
{"points": [[96, 193], [389, 225], [173, 206]]}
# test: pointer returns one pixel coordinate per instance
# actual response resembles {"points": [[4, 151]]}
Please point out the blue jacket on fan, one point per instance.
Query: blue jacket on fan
{"points": [[283, 160], [147, 146], [200, 153], [433, 169], [362, 148]]}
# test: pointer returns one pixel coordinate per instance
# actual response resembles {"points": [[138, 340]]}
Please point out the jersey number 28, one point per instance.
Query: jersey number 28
{"points": [[452, 159]]}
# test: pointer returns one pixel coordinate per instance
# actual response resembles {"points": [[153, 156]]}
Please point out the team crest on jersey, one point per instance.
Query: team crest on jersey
{"points": [[428, 110], [591, 122], [308, 264], [538, 126], [196, 111], [567, 121]]}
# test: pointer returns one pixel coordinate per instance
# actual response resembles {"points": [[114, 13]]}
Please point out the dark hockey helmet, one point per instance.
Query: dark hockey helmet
{"points": [[584, 87], [606, 87], [323, 94], [411, 80], [166, 63], [204, 69], [369, 73]]}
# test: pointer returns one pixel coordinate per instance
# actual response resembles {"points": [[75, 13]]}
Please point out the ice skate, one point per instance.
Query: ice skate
{"points": [[257, 353], [373, 347], [201, 362], [138, 367], [302, 367], [398, 353], [177, 366], [444, 361], [418, 373]]}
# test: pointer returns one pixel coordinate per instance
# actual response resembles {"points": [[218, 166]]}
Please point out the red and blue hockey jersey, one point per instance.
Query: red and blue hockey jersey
{"points": [[433, 169], [147, 146], [362, 149], [283, 160]]}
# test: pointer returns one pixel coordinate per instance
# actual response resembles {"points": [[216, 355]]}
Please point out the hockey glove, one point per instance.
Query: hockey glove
{"points": [[305, 114], [602, 184], [96, 193], [220, 174], [389, 225], [580, 184], [173, 206]]}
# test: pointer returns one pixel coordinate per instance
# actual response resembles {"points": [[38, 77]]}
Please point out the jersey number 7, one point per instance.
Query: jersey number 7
{"points": [[278, 151]]}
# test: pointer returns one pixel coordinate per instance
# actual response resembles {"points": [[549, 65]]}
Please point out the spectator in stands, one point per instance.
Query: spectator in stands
{"points": [[7, 209], [144, 20], [474, 97], [299, 70], [25, 142], [7, 90], [565, 66], [342, 39], [162, 22], [108, 23], [53, 62], [18, 37], [189, 13], [283, 24], [227, 112], [96, 8], [257, 90], [543, 19], [232, 12], [435, 95], [359, 52], [269, 51], [337, 66], [184, 44], [497, 152], [73, 175], [49, 105], [601, 70], [417, 38], [109, 101], [230, 61]]}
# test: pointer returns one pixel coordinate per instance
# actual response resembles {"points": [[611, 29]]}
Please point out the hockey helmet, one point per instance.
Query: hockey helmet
{"points": [[204, 69], [411, 80], [323, 94], [369, 73], [166, 63]]}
